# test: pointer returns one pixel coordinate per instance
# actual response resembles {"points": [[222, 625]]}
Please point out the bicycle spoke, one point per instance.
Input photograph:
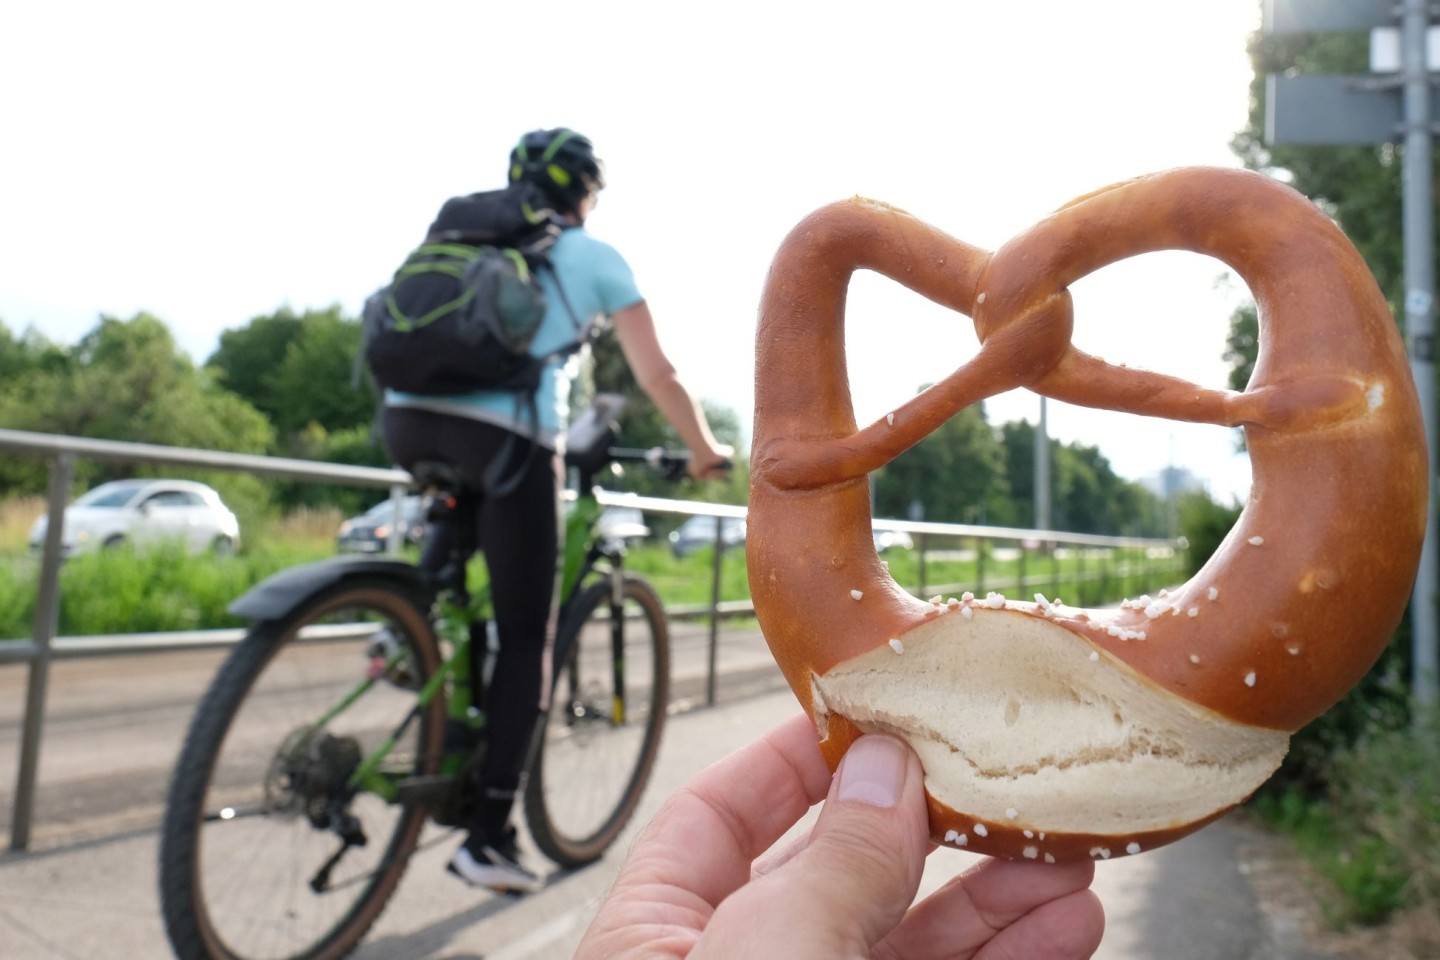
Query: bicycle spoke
{"points": [[292, 856], [603, 726]]}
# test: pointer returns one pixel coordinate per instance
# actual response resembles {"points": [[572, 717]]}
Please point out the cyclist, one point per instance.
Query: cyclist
{"points": [[517, 528]]}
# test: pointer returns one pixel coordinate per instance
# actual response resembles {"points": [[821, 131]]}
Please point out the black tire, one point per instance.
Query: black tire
{"points": [[235, 885], [588, 772]]}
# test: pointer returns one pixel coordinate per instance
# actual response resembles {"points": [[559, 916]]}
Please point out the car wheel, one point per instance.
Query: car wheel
{"points": [[113, 541], [223, 546]]}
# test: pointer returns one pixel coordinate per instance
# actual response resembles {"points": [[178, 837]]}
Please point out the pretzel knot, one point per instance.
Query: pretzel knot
{"points": [[1299, 600]]}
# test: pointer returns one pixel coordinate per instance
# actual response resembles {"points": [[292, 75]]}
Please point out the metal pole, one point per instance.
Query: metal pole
{"points": [[920, 573], [1042, 472], [1418, 227], [715, 578], [396, 541], [47, 621]]}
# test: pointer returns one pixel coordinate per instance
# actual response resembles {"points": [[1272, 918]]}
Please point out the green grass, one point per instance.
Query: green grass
{"points": [[1375, 835], [689, 580], [141, 591], [1089, 578], [163, 589], [1366, 881]]}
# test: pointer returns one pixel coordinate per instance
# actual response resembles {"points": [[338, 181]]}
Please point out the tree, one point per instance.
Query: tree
{"points": [[127, 380], [957, 473], [298, 369], [356, 446], [642, 425], [1087, 495], [1204, 524], [1242, 345], [315, 381], [247, 356], [1359, 186], [19, 356]]}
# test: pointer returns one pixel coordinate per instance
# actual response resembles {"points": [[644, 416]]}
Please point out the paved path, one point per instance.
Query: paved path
{"points": [[88, 890]]}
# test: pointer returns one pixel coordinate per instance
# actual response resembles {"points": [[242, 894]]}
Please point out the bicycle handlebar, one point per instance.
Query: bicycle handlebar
{"points": [[671, 463]]}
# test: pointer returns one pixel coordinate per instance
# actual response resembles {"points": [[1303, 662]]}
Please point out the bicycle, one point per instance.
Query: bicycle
{"points": [[348, 718]]}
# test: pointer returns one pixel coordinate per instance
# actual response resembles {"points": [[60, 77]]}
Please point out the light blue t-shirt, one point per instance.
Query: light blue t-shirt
{"points": [[597, 282]]}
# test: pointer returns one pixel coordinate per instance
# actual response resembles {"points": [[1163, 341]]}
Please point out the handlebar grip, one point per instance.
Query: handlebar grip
{"points": [[672, 464]]}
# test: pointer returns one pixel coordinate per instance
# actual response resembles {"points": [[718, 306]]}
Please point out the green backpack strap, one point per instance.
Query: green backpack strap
{"points": [[448, 259]]}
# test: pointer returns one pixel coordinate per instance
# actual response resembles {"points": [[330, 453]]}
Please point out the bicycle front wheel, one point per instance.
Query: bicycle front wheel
{"points": [[283, 836], [602, 731]]}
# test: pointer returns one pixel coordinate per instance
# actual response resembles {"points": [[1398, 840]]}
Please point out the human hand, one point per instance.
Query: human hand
{"points": [[715, 461], [695, 886]]}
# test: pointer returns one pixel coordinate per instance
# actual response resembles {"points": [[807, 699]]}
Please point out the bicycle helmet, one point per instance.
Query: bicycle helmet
{"points": [[561, 162]]}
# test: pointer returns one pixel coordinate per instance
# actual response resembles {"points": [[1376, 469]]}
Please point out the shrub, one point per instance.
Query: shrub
{"points": [[1387, 789], [1204, 524], [130, 590], [1365, 881], [1374, 833], [127, 590], [1378, 704]]}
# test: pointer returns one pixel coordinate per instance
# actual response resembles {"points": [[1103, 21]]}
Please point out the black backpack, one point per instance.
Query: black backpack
{"points": [[461, 312], [463, 309]]}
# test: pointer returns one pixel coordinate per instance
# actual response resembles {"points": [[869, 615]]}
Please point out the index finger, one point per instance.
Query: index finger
{"points": [[706, 836]]}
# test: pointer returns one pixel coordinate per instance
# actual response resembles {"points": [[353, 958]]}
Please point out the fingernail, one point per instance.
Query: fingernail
{"points": [[873, 771]]}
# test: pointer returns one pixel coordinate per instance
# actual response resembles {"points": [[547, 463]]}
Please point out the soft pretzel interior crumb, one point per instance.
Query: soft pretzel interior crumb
{"points": [[1016, 721]]}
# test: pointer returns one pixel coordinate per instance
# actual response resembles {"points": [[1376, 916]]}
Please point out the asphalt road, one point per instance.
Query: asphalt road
{"points": [[86, 888]]}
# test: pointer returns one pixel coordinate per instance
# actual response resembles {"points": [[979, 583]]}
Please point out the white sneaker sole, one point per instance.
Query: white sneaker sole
{"points": [[492, 877]]}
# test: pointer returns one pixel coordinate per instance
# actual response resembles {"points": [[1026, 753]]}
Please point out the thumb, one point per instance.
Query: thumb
{"points": [[858, 874], [873, 835]]}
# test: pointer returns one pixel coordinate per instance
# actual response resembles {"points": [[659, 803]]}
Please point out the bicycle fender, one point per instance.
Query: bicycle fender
{"points": [[282, 592]]}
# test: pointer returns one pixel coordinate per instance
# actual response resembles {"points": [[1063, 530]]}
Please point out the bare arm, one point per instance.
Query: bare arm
{"points": [[653, 370]]}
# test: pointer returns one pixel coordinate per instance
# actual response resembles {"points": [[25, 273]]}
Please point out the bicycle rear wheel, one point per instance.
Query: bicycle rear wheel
{"points": [[261, 799], [602, 730]]}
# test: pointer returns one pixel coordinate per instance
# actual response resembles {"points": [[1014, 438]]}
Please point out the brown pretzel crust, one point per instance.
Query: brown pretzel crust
{"points": [[1302, 596]]}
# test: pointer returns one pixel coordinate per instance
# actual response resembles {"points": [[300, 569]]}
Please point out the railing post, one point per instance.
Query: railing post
{"points": [[1054, 568], [47, 622], [715, 613], [920, 568], [396, 541]]}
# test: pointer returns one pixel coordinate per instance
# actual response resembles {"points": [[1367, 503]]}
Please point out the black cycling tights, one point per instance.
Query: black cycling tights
{"points": [[517, 533]]}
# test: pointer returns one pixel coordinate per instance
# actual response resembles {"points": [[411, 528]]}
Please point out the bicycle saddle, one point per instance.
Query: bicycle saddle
{"points": [[439, 476]]}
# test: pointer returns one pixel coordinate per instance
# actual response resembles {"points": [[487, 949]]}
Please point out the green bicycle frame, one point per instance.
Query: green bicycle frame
{"points": [[582, 519], [367, 775]]}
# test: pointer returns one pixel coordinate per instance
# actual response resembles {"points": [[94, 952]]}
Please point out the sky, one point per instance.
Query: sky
{"points": [[212, 163]]}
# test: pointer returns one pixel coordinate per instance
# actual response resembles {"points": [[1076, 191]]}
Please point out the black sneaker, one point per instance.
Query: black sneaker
{"points": [[494, 866]]}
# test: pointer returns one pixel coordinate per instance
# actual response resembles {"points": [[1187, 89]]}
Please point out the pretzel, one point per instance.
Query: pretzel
{"points": [[1048, 731]]}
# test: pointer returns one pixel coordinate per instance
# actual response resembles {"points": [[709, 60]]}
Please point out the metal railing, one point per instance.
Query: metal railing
{"points": [[61, 452]]}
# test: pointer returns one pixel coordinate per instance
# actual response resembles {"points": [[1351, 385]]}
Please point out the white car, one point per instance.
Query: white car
{"points": [[886, 539], [145, 511]]}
